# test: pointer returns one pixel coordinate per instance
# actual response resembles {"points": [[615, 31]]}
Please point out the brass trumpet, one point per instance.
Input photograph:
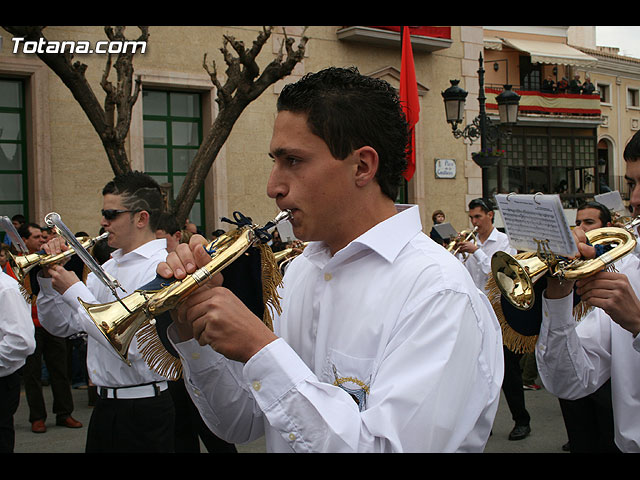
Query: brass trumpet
{"points": [[516, 275], [22, 264], [119, 321], [464, 236], [286, 256]]}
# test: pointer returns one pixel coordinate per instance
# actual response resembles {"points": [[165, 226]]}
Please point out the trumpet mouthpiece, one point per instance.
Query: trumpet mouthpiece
{"points": [[282, 216]]}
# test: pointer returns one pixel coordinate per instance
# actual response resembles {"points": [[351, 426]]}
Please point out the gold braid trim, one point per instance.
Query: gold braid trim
{"points": [[271, 280], [514, 341], [154, 353], [162, 362]]}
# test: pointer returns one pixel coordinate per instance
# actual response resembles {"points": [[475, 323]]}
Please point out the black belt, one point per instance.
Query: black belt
{"points": [[146, 390]]}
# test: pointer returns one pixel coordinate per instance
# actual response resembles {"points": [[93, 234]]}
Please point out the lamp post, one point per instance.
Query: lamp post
{"points": [[482, 127]]}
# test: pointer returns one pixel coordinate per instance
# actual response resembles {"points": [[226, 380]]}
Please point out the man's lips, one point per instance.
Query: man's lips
{"points": [[292, 212]]}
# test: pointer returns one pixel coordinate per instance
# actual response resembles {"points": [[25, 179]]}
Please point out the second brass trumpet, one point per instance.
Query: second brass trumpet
{"points": [[23, 264], [516, 276]]}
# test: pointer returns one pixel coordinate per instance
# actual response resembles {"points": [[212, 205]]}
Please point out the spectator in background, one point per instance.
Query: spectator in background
{"points": [[437, 217], [50, 348]]}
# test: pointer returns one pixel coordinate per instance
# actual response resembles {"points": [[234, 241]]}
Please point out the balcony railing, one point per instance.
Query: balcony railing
{"points": [[537, 102]]}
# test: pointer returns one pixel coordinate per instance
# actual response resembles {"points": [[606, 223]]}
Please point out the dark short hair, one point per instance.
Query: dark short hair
{"points": [[349, 110], [18, 217], [632, 149], [139, 192], [605, 213], [168, 223], [24, 231], [482, 203]]}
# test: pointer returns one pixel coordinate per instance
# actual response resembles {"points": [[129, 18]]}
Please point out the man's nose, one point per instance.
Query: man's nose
{"points": [[276, 186]]}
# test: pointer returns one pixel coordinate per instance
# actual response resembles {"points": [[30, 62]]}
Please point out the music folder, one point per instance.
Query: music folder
{"points": [[445, 230], [530, 219]]}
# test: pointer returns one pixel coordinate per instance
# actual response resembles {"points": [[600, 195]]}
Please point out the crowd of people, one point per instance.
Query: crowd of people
{"points": [[585, 396], [574, 86], [382, 340]]}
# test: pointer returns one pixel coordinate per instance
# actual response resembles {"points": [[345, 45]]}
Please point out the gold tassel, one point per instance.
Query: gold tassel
{"points": [[154, 353], [271, 280], [162, 362], [514, 341]]}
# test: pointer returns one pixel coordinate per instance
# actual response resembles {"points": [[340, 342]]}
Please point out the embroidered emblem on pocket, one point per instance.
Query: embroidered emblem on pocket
{"points": [[358, 389]]}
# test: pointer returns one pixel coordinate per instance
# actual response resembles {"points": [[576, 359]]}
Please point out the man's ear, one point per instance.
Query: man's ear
{"points": [[143, 219], [367, 162]]}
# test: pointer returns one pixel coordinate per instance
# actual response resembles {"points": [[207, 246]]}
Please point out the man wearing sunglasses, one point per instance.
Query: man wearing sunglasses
{"points": [[134, 411]]}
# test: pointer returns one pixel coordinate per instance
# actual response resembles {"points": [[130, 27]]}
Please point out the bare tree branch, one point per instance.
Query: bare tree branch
{"points": [[244, 83], [112, 120]]}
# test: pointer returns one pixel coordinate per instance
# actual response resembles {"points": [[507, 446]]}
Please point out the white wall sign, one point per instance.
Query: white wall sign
{"points": [[445, 168]]}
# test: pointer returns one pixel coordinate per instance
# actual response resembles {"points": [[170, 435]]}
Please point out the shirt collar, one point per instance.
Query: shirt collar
{"points": [[387, 238], [493, 236], [146, 250]]}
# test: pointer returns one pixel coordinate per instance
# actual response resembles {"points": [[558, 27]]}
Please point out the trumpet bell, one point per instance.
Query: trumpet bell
{"points": [[22, 264], [515, 277], [119, 321]]}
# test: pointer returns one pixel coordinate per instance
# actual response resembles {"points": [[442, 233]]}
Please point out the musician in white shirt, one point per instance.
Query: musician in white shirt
{"points": [[17, 342], [132, 204], [476, 255], [384, 344], [575, 359]]}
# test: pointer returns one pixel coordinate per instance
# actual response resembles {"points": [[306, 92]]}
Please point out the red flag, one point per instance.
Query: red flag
{"points": [[409, 99]]}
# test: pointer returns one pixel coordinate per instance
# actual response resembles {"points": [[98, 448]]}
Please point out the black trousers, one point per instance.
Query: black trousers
{"points": [[589, 422], [141, 425], [512, 387], [54, 352], [9, 401], [190, 428]]}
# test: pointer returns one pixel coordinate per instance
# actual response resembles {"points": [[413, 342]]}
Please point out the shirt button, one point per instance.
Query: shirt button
{"points": [[195, 355], [256, 386], [292, 436], [327, 277]]}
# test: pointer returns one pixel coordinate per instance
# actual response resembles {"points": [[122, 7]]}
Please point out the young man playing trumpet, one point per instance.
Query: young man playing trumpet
{"points": [[488, 241], [384, 344], [134, 411], [575, 359]]}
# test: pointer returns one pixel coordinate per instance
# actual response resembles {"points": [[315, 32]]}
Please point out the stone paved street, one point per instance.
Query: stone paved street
{"points": [[547, 434]]}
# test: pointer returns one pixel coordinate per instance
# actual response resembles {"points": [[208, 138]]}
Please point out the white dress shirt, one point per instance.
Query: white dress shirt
{"points": [[62, 315], [385, 347], [479, 262], [574, 360], [17, 332]]}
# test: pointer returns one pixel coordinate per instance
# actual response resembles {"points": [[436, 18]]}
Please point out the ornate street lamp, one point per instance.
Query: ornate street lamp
{"points": [[508, 103], [482, 127]]}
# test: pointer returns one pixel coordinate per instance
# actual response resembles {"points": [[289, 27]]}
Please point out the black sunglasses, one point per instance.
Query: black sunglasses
{"points": [[111, 214]]}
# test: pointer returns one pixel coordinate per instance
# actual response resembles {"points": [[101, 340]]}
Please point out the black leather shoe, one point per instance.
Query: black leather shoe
{"points": [[519, 432]]}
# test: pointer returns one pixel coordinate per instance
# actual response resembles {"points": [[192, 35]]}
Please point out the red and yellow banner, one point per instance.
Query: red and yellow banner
{"points": [[549, 103]]}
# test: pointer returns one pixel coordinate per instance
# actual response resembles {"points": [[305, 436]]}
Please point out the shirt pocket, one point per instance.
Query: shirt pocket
{"points": [[352, 374]]}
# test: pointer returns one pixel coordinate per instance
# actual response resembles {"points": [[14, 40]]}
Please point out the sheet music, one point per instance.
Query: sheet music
{"points": [[528, 218], [445, 230], [613, 201]]}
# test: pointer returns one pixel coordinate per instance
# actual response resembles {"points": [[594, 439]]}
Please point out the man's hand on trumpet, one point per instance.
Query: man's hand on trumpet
{"points": [[560, 288], [61, 278], [213, 315], [467, 247], [610, 291]]}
